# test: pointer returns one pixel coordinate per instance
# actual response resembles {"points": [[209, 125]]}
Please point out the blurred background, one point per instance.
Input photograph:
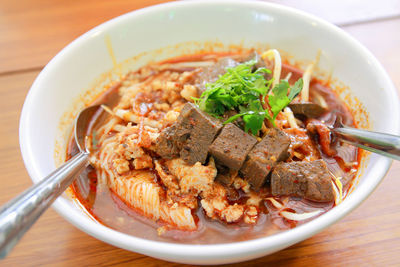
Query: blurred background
{"points": [[32, 32]]}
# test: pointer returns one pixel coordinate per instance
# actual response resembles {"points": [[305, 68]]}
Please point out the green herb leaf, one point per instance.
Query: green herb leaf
{"points": [[253, 121], [253, 116], [296, 89], [279, 99]]}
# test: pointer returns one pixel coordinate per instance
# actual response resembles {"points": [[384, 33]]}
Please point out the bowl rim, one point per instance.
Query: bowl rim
{"points": [[213, 252]]}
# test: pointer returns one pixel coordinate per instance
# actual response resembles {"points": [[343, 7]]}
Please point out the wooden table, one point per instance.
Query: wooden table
{"points": [[32, 32]]}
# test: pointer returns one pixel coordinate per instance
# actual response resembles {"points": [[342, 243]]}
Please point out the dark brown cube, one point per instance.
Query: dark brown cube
{"points": [[264, 157], [231, 146], [189, 137], [311, 180], [166, 145], [199, 130]]}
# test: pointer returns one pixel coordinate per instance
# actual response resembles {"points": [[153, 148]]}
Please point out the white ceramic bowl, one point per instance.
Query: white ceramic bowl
{"points": [[74, 69]]}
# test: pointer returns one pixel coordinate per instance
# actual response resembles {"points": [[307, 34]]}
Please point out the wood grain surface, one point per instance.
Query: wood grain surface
{"points": [[32, 32]]}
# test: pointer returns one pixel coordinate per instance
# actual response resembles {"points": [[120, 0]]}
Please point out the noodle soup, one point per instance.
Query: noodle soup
{"points": [[214, 148]]}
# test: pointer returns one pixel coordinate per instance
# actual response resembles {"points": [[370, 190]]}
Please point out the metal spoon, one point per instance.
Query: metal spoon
{"points": [[381, 143], [18, 215]]}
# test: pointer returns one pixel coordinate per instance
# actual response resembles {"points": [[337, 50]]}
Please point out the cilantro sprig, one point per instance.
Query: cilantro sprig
{"points": [[236, 88], [279, 99], [244, 90]]}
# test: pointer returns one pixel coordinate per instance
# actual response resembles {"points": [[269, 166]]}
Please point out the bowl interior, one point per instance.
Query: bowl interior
{"points": [[198, 24]]}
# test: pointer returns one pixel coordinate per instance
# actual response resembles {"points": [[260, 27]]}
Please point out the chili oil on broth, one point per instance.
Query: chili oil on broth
{"points": [[106, 207]]}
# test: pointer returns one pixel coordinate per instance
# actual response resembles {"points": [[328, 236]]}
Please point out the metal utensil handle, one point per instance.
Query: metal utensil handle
{"points": [[18, 215], [385, 144]]}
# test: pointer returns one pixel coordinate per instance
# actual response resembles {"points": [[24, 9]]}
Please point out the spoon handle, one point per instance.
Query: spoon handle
{"points": [[18, 215], [385, 144]]}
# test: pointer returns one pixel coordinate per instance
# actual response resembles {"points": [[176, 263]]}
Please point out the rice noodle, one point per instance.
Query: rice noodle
{"points": [[290, 117], [106, 128], [305, 92], [264, 128], [292, 215], [107, 109], [288, 76], [105, 156], [298, 155], [273, 53], [321, 100], [119, 128], [299, 216], [338, 188], [298, 121], [275, 202]]}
